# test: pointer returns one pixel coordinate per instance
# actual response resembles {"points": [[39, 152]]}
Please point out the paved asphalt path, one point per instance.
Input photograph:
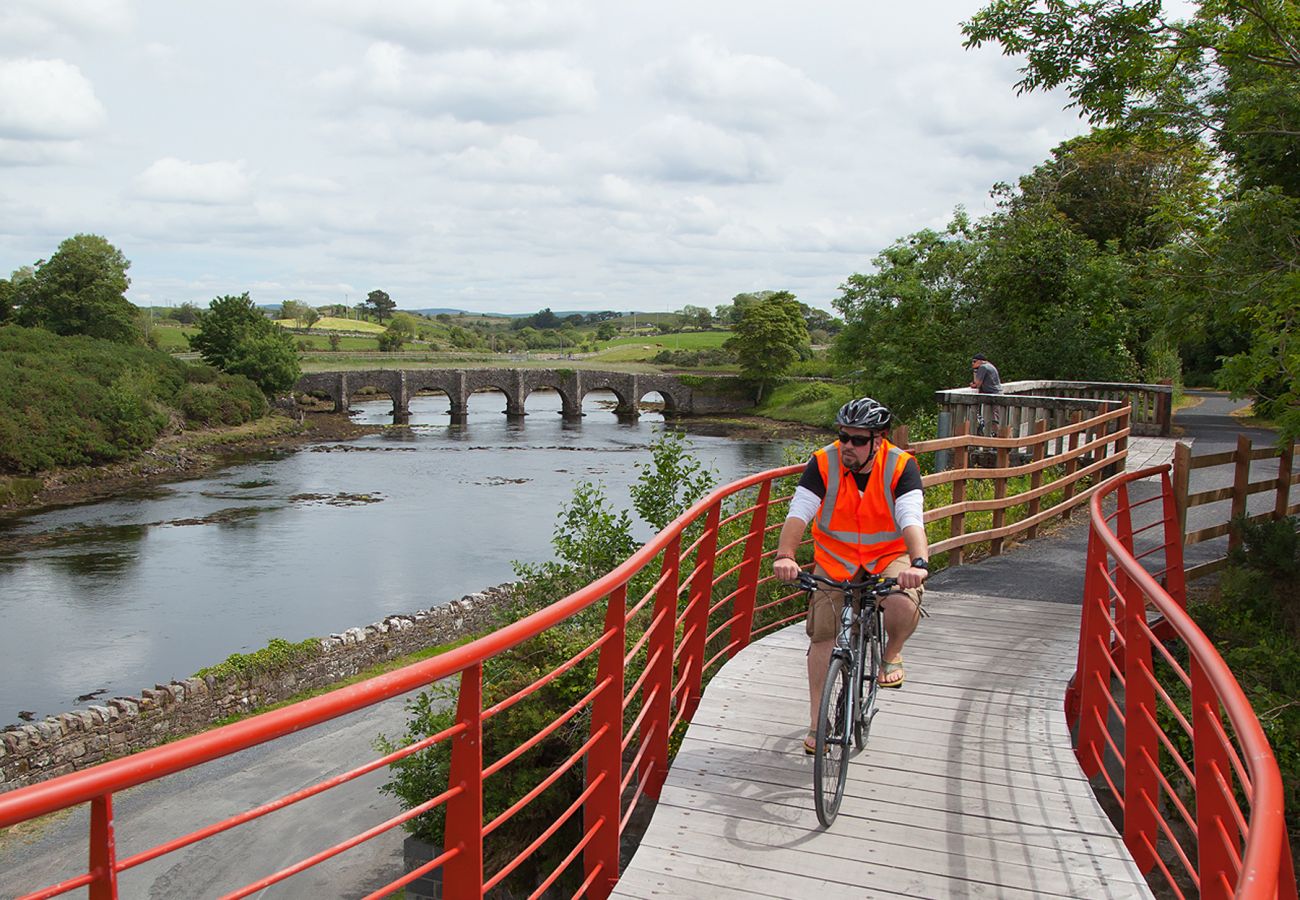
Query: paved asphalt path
{"points": [[153, 813], [1048, 569]]}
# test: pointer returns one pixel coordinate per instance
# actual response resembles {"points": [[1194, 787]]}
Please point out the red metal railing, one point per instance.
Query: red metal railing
{"points": [[1162, 721], [693, 597], [663, 632]]}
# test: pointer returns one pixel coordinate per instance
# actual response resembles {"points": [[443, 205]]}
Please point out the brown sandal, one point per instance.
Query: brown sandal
{"points": [[889, 668]]}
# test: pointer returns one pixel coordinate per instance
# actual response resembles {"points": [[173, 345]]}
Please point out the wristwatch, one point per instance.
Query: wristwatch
{"points": [[921, 563]]}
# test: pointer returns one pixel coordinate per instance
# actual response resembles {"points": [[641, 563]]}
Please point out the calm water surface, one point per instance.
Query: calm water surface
{"points": [[122, 594]]}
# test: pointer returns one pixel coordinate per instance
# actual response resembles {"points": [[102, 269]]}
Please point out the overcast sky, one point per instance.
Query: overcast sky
{"points": [[500, 155]]}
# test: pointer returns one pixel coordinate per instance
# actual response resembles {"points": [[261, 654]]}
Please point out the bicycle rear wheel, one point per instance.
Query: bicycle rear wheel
{"points": [[831, 761]]}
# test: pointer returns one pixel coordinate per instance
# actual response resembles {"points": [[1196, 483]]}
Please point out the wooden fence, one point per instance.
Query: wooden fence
{"points": [[1240, 458], [1022, 403], [1071, 459]]}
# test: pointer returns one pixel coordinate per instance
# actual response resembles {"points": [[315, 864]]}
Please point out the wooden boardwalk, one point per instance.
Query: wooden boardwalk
{"points": [[967, 787]]}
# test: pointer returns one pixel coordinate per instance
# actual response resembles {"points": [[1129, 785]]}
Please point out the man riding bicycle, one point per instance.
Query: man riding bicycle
{"points": [[863, 497]]}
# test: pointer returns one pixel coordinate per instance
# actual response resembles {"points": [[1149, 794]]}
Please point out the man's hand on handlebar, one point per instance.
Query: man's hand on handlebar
{"points": [[785, 569], [912, 577]]}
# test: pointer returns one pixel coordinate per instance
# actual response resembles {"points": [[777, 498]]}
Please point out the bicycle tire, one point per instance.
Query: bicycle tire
{"points": [[831, 760], [860, 676], [873, 658]]}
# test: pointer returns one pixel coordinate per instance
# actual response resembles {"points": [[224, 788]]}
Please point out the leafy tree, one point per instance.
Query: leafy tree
{"points": [[1053, 303], [391, 340], [380, 304], [80, 290], [405, 324], [310, 316], [907, 327], [1138, 191], [187, 313], [1230, 72], [769, 336], [7, 291], [607, 331], [696, 316], [236, 337]]}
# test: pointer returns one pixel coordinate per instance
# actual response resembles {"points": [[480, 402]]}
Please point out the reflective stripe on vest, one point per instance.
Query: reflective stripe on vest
{"points": [[839, 552]]}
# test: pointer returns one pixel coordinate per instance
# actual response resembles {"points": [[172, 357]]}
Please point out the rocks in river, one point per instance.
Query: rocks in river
{"points": [[343, 498]]}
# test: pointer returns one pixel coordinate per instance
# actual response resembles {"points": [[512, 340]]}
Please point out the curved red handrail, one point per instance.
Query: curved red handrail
{"points": [[97, 785], [1116, 641]]}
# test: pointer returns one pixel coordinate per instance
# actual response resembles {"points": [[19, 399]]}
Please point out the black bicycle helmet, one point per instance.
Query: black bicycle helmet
{"points": [[864, 413]]}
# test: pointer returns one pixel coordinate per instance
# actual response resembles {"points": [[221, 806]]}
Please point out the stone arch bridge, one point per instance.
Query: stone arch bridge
{"points": [[679, 398]]}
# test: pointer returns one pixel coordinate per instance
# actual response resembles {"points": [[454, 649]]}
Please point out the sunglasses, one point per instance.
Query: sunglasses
{"points": [[857, 440]]}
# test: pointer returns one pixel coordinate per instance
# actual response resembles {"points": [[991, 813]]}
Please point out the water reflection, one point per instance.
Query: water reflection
{"points": [[163, 582]]}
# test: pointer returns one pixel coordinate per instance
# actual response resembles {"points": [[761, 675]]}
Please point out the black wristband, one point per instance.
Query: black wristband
{"points": [[921, 563], [791, 558]]}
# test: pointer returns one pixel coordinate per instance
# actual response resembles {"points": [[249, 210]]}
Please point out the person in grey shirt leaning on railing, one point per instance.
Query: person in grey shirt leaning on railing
{"points": [[986, 380]]}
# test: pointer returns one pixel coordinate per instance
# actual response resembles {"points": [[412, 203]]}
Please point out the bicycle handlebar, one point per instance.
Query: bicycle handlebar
{"points": [[875, 584]]}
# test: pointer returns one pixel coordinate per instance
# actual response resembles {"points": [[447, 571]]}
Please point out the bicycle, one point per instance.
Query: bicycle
{"points": [[848, 702]]}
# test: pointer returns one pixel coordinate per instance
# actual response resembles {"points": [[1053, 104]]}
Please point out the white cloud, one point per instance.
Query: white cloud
{"points": [[29, 23], [760, 93], [173, 180], [46, 99], [308, 184], [471, 85], [677, 148], [456, 24]]}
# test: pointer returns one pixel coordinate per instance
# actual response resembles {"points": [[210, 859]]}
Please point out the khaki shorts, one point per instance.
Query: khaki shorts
{"points": [[824, 608]]}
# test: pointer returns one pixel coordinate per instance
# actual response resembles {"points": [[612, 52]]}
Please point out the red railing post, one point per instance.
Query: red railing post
{"points": [[1092, 676], [697, 613], [750, 569], [1214, 801], [464, 831], [602, 810], [103, 849], [659, 683], [1141, 736]]}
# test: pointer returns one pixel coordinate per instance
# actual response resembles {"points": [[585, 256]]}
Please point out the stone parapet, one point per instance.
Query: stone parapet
{"points": [[77, 740]]}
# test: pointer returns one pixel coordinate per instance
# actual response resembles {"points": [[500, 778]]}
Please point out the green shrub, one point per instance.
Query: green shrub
{"points": [[72, 401]]}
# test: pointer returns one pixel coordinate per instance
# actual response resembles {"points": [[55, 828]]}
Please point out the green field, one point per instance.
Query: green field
{"points": [[333, 323], [172, 338]]}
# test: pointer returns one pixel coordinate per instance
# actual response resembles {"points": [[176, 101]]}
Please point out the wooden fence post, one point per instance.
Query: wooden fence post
{"points": [[1182, 479], [1072, 464], [1284, 462], [1000, 493], [1240, 482], [1036, 478], [960, 460]]}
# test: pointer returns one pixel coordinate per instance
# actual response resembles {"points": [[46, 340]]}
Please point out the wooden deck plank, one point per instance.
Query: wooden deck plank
{"points": [[968, 786], [949, 854]]}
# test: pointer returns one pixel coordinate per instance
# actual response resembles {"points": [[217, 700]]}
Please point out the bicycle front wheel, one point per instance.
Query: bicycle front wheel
{"points": [[834, 724], [872, 660]]}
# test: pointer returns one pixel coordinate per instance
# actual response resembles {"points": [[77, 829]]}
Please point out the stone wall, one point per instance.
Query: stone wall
{"points": [[80, 739]]}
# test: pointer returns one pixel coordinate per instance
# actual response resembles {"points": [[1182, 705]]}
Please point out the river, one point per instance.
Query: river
{"points": [[153, 585]]}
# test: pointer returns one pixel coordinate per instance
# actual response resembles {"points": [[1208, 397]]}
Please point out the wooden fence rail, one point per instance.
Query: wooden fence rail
{"points": [[1089, 449], [1240, 458]]}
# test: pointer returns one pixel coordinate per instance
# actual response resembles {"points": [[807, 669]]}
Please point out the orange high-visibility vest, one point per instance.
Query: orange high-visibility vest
{"points": [[857, 530]]}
